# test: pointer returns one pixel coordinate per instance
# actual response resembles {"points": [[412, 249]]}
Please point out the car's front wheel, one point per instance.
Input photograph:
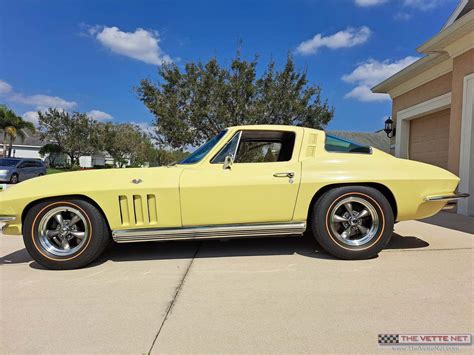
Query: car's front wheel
{"points": [[65, 234], [14, 179], [353, 222]]}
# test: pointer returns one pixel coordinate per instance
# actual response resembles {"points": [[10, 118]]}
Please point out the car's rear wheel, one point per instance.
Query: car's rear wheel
{"points": [[352, 222], [14, 179], [65, 234]]}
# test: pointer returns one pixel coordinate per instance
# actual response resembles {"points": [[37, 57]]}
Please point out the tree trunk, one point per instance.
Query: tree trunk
{"points": [[4, 151], [10, 148]]}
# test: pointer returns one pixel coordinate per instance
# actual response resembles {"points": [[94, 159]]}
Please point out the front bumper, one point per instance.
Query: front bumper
{"points": [[5, 177], [9, 226]]}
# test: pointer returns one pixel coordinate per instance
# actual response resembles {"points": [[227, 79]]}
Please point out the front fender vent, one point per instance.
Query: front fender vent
{"points": [[138, 210]]}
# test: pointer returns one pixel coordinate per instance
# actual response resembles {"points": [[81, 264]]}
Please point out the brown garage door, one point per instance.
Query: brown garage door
{"points": [[429, 136]]}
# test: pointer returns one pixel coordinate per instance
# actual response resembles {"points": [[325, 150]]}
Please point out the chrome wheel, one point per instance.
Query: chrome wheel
{"points": [[354, 221], [14, 179], [63, 231]]}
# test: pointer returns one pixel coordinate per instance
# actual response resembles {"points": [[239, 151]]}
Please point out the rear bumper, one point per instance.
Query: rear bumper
{"points": [[447, 197]]}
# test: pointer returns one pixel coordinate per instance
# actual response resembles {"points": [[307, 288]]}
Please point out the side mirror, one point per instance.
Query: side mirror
{"points": [[228, 161]]}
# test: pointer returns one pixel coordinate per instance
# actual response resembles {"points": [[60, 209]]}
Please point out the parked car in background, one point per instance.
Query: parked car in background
{"points": [[14, 170]]}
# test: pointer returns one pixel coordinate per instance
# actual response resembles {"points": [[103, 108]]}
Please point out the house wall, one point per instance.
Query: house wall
{"points": [[427, 91], [26, 152], [462, 65], [431, 89]]}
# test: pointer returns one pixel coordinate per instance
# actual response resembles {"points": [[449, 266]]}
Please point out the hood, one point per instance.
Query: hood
{"points": [[88, 181]]}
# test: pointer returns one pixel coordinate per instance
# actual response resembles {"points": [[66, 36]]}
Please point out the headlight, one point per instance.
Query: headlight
{"points": [[2, 172]]}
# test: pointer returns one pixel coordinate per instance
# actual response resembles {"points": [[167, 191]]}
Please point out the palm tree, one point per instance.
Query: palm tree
{"points": [[6, 120], [13, 127], [17, 130]]}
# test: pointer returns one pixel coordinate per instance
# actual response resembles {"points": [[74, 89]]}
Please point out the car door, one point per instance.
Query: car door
{"points": [[261, 185], [22, 170]]}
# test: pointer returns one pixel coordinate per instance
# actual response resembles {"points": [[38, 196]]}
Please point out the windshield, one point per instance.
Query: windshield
{"points": [[8, 162], [202, 151]]}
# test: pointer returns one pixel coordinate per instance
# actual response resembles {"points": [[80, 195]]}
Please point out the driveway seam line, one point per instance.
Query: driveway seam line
{"points": [[175, 297], [425, 250]]}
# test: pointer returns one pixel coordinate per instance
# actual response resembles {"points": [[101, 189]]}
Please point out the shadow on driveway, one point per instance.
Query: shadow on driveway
{"points": [[452, 221], [305, 246]]}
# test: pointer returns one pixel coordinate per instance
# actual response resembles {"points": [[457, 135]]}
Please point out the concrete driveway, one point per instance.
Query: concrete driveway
{"points": [[263, 295]]}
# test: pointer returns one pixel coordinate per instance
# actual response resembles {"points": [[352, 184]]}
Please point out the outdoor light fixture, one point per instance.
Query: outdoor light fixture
{"points": [[389, 129]]}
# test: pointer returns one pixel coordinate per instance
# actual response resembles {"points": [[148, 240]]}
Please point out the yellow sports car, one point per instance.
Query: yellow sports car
{"points": [[248, 181]]}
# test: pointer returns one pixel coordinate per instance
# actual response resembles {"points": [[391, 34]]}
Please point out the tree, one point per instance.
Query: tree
{"points": [[52, 151], [13, 127], [194, 105], [162, 157], [126, 143], [6, 121], [17, 129], [75, 133]]}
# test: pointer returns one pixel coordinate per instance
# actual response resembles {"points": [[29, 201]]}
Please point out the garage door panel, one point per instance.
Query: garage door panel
{"points": [[429, 138]]}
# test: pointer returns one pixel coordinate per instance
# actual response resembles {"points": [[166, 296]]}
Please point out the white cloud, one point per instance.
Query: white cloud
{"points": [[422, 4], [350, 37], [416, 4], [145, 127], [370, 73], [99, 115], [40, 102], [43, 101], [142, 45], [402, 16], [31, 116], [368, 3], [5, 88], [363, 93]]}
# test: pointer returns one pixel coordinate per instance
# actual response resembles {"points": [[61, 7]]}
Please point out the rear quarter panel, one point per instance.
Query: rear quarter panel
{"points": [[409, 181]]}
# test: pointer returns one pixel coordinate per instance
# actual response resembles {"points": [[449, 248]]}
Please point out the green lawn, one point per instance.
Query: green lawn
{"points": [[54, 171]]}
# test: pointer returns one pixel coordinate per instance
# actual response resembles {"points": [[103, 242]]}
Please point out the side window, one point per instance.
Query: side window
{"points": [[258, 152], [23, 165], [335, 144], [265, 147]]}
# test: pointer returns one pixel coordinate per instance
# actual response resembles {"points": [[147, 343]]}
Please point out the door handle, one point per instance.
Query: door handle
{"points": [[289, 174]]}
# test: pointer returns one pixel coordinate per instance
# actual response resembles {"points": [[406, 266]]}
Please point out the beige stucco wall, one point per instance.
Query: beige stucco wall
{"points": [[462, 66], [431, 89], [451, 82], [427, 91]]}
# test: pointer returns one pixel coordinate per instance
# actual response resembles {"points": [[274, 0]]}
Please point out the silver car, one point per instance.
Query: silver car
{"points": [[14, 170]]}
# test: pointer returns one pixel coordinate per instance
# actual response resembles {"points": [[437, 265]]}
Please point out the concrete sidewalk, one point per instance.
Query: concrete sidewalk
{"points": [[262, 295]]}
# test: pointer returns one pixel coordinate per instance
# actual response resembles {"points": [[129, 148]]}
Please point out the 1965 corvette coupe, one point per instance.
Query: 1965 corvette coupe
{"points": [[247, 181]]}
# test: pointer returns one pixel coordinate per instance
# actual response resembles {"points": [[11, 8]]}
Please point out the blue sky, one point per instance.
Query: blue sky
{"points": [[88, 55]]}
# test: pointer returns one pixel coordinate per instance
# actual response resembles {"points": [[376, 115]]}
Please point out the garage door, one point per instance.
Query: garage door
{"points": [[429, 138]]}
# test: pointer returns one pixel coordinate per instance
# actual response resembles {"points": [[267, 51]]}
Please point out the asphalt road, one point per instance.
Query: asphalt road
{"points": [[262, 295]]}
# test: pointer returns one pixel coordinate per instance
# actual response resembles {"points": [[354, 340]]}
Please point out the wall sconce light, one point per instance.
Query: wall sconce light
{"points": [[389, 129]]}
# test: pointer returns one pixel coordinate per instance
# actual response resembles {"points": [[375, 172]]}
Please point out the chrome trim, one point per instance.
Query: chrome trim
{"points": [[7, 218], [449, 197], [209, 232]]}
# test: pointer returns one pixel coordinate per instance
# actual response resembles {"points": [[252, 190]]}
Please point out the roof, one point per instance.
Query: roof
{"points": [[31, 139], [377, 140], [463, 8]]}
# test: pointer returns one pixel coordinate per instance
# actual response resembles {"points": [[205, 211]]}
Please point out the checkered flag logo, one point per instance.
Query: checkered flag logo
{"points": [[388, 339]]}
